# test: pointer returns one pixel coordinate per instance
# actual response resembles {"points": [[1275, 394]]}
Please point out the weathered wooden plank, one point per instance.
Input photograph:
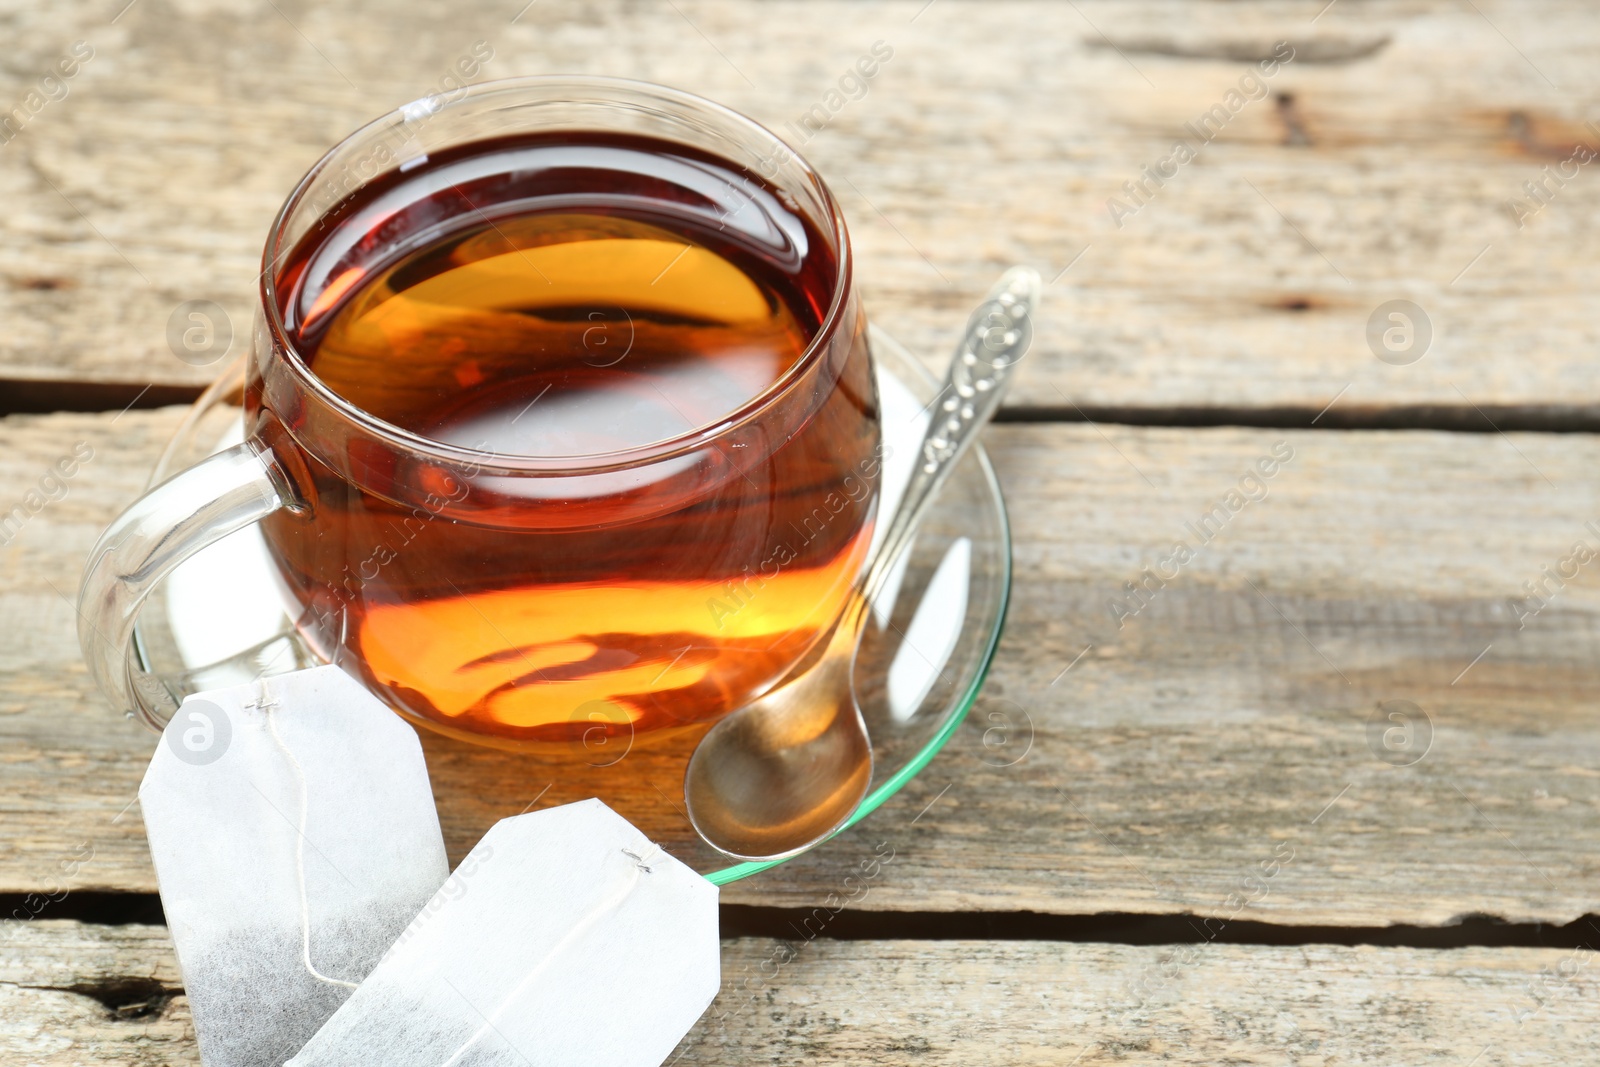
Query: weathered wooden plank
{"points": [[1210, 755], [941, 1002], [1380, 168]]}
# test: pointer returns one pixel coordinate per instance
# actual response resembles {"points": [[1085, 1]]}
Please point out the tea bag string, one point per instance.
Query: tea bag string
{"points": [[267, 705], [639, 864]]}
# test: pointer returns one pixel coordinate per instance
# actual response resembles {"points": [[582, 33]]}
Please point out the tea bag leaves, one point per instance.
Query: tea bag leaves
{"points": [[565, 938], [294, 836]]}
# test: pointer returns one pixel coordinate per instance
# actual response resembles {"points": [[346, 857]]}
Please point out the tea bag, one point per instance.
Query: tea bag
{"points": [[564, 939], [294, 836]]}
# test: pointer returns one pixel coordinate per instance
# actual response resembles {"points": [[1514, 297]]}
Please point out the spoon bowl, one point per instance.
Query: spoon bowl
{"points": [[767, 785]]}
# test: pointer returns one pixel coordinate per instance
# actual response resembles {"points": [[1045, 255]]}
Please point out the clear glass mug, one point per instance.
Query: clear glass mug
{"points": [[457, 583]]}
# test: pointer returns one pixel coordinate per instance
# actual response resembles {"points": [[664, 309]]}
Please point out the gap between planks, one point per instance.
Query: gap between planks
{"points": [[1113, 928], [22, 396]]}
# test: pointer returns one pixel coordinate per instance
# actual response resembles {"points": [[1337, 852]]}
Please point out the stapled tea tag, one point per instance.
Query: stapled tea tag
{"points": [[564, 939], [294, 837]]}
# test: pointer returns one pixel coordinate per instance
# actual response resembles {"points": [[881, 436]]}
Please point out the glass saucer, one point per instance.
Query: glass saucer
{"points": [[219, 621]]}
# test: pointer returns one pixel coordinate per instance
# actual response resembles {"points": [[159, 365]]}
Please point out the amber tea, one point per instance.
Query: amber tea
{"points": [[639, 317]]}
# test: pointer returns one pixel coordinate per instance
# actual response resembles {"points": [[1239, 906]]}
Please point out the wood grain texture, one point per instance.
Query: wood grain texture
{"points": [[940, 1002], [1380, 167], [1213, 754]]}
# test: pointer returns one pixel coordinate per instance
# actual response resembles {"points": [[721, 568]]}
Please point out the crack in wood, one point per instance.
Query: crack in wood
{"points": [[125, 998], [1295, 135], [1333, 51]]}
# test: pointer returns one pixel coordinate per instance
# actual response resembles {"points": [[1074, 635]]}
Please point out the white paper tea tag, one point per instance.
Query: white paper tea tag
{"points": [[294, 836], [565, 939]]}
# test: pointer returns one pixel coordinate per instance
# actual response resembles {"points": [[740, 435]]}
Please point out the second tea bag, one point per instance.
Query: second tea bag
{"points": [[294, 836], [564, 939]]}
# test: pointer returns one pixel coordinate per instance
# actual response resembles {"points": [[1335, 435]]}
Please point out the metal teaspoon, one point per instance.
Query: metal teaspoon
{"points": [[790, 768]]}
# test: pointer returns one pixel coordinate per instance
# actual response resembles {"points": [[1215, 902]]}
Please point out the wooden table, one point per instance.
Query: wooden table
{"points": [[1207, 855]]}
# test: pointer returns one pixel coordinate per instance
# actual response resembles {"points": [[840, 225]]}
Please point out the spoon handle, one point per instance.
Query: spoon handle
{"points": [[997, 337]]}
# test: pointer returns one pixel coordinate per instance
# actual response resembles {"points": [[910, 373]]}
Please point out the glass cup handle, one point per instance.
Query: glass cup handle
{"points": [[194, 508]]}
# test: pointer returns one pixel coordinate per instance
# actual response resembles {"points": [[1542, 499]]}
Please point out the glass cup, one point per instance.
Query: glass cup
{"points": [[522, 599]]}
